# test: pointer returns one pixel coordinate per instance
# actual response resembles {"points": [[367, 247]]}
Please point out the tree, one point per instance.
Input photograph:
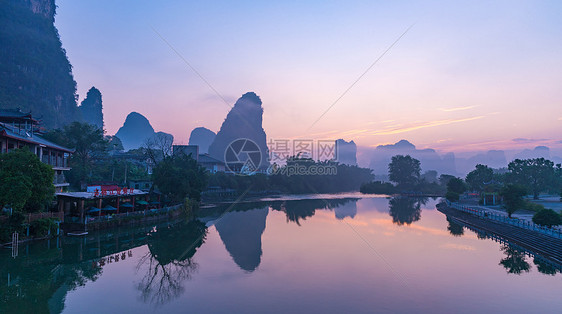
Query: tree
{"points": [[88, 143], [444, 179], [547, 217], [479, 177], [456, 185], [430, 176], [513, 197], [180, 176], [27, 183], [158, 147], [535, 174], [404, 170]]}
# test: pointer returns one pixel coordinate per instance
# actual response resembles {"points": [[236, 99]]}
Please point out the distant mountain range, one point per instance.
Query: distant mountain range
{"points": [[379, 158]]}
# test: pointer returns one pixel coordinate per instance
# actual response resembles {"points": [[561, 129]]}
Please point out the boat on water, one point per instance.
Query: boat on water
{"points": [[77, 233]]}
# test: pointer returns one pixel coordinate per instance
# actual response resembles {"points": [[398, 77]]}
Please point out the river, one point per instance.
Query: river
{"points": [[328, 253]]}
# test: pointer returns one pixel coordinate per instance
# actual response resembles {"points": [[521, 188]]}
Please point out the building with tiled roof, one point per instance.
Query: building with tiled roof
{"points": [[19, 130]]}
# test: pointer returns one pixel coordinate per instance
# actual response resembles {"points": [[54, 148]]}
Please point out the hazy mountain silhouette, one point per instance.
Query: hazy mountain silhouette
{"points": [[203, 138], [91, 108], [537, 152], [492, 158], [348, 209], [243, 121], [429, 158], [346, 152], [241, 234], [136, 131]]}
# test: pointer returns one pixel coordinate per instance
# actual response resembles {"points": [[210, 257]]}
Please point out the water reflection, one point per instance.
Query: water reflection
{"points": [[405, 210], [241, 231], [168, 263], [348, 209], [514, 261], [454, 228], [544, 267]]}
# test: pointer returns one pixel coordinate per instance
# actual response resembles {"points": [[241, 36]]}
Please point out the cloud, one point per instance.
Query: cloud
{"points": [[560, 119], [457, 108], [529, 140], [460, 247], [422, 125]]}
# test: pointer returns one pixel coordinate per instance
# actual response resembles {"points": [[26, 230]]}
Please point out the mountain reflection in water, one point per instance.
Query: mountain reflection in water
{"points": [[165, 259]]}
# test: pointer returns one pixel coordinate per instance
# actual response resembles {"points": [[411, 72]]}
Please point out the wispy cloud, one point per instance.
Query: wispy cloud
{"points": [[457, 108], [560, 119], [530, 140], [391, 129], [422, 125]]}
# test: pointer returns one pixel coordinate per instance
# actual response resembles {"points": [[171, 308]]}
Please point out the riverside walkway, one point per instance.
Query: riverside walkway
{"points": [[545, 245]]}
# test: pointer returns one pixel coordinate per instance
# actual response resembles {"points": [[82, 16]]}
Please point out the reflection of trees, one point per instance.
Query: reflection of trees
{"points": [[454, 228], [36, 278], [302, 209], [169, 261], [544, 268], [514, 261], [405, 210]]}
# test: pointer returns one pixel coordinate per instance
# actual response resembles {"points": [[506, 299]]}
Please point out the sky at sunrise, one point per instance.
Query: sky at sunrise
{"points": [[467, 75]]}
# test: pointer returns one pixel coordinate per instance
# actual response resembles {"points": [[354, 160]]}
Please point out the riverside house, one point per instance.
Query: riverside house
{"points": [[19, 130]]}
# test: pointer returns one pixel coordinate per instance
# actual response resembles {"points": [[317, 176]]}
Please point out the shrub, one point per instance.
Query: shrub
{"points": [[189, 207], [377, 187], [41, 227], [13, 224], [452, 196], [534, 207], [547, 217]]}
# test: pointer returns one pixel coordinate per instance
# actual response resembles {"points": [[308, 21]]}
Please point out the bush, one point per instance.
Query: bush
{"points": [[189, 207], [13, 224], [41, 227], [452, 196], [547, 217], [534, 207], [377, 187]]}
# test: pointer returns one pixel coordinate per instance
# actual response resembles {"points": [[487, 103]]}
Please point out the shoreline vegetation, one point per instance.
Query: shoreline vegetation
{"points": [[180, 179]]}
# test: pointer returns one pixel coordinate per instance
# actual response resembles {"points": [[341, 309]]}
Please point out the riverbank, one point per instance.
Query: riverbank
{"points": [[134, 219], [547, 246]]}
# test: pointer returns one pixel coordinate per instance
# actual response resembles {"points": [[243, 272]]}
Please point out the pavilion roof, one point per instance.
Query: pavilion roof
{"points": [[92, 195]]}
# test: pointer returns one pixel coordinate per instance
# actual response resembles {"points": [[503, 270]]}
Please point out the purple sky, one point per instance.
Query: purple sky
{"points": [[469, 75]]}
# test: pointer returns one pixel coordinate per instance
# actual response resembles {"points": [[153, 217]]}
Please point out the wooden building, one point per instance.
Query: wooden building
{"points": [[19, 130]]}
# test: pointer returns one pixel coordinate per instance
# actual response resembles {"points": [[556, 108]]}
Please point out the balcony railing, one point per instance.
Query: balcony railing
{"points": [[59, 179]]}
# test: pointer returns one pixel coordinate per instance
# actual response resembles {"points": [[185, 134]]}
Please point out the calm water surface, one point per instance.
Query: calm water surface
{"points": [[283, 256]]}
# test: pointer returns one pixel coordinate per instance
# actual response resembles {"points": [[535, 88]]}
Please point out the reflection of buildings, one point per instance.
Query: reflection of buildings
{"points": [[241, 234], [39, 280]]}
